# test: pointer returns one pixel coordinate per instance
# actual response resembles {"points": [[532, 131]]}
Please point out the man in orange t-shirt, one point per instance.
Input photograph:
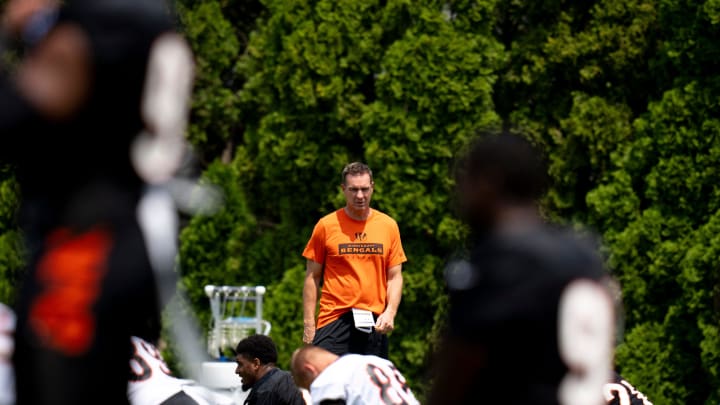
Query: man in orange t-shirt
{"points": [[356, 255]]}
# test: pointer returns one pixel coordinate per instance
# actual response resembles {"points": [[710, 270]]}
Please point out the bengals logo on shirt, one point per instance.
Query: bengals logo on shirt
{"points": [[360, 248]]}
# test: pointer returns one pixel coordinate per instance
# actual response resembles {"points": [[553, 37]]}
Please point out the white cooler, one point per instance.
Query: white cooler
{"points": [[219, 375]]}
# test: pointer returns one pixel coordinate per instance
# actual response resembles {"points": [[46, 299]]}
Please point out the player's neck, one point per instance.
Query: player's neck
{"points": [[517, 218], [324, 360], [264, 369], [361, 215]]}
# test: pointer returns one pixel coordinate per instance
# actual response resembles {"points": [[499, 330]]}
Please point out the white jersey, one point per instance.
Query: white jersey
{"points": [[362, 379], [621, 392], [152, 383], [7, 375]]}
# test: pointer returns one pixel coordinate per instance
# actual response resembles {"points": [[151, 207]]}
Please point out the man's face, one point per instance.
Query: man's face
{"points": [[247, 369], [358, 191]]}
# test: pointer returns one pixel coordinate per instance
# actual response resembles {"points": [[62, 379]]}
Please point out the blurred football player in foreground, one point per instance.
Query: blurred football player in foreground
{"points": [[256, 358], [94, 111], [530, 321]]}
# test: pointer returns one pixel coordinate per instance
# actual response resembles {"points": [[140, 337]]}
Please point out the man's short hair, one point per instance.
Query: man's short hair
{"points": [[356, 168], [509, 162], [258, 346]]}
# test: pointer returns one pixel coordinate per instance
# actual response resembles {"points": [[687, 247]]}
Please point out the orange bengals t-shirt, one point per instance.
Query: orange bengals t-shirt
{"points": [[356, 256]]}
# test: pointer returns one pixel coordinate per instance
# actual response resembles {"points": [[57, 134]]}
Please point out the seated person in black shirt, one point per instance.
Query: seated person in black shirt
{"points": [[256, 356]]}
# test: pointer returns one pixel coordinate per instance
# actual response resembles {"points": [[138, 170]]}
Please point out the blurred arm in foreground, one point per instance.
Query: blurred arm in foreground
{"points": [[70, 112]]}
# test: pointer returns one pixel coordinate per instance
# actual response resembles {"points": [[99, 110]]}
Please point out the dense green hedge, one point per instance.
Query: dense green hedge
{"points": [[622, 94], [327, 83], [11, 251]]}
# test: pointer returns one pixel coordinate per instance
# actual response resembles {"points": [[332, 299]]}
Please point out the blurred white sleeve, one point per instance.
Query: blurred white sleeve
{"points": [[586, 324]]}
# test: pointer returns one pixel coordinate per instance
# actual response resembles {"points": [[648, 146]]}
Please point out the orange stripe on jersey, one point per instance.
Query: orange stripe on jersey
{"points": [[69, 275]]}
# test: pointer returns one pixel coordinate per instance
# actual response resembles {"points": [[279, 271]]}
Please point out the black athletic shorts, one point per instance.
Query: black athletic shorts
{"points": [[341, 337]]}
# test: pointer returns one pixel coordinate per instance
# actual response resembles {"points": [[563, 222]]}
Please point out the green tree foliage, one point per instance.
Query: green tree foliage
{"points": [[218, 34], [284, 300], [562, 53], [11, 251], [398, 85], [663, 245], [212, 247], [623, 97], [621, 94]]}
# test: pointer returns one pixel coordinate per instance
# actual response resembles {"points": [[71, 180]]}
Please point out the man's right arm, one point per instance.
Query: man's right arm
{"points": [[311, 287]]}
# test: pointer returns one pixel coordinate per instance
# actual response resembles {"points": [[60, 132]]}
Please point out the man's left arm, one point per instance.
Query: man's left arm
{"points": [[386, 321]]}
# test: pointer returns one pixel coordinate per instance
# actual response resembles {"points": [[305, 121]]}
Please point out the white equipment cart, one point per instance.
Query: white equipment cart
{"points": [[237, 312]]}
